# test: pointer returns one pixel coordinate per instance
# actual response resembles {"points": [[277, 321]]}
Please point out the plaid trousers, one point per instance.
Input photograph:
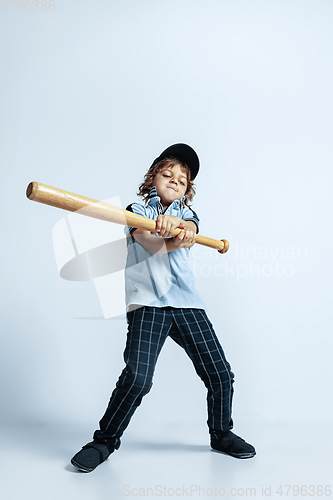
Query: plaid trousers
{"points": [[148, 328]]}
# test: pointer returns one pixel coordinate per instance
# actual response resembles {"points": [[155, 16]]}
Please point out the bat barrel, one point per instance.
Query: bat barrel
{"points": [[72, 202]]}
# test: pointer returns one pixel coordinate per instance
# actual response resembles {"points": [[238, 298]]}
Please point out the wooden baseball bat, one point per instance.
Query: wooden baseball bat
{"points": [[99, 210]]}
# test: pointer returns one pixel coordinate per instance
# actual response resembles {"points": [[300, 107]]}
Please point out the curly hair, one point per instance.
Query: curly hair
{"points": [[147, 184]]}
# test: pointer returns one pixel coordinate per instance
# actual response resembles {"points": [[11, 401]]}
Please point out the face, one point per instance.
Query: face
{"points": [[171, 184]]}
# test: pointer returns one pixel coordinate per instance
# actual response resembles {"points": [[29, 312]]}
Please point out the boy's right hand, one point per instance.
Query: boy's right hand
{"points": [[166, 224]]}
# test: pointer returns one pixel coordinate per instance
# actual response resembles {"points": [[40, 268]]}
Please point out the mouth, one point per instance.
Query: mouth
{"points": [[169, 187]]}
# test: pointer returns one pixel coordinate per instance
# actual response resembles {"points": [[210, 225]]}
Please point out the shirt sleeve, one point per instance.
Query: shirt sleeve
{"points": [[135, 208], [189, 215]]}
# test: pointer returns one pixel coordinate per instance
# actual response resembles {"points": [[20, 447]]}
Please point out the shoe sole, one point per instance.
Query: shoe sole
{"points": [[236, 455], [80, 468]]}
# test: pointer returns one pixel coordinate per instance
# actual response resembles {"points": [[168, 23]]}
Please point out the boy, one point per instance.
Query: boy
{"points": [[161, 301]]}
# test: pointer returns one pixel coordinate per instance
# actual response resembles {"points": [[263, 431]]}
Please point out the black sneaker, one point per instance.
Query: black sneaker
{"points": [[233, 445], [92, 455]]}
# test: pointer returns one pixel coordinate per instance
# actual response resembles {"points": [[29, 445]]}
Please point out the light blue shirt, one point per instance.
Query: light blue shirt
{"points": [[160, 280]]}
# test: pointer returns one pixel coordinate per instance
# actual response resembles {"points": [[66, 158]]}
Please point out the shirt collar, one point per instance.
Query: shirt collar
{"points": [[154, 198]]}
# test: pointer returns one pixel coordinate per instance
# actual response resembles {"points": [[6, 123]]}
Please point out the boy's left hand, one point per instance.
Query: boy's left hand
{"points": [[166, 224], [185, 239]]}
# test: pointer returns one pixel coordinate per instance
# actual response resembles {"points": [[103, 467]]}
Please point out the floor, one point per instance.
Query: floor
{"points": [[168, 461]]}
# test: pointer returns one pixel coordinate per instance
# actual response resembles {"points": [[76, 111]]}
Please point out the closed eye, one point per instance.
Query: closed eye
{"points": [[168, 176]]}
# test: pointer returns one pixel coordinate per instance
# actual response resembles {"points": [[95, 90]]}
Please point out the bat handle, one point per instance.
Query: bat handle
{"points": [[225, 248]]}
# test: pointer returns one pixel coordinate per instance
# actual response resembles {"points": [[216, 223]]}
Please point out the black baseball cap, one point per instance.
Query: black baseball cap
{"points": [[184, 153]]}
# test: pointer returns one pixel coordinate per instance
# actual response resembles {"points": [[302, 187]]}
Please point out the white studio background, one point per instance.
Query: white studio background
{"points": [[91, 93]]}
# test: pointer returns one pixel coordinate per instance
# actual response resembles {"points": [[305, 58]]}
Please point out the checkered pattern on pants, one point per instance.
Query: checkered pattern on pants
{"points": [[148, 328]]}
